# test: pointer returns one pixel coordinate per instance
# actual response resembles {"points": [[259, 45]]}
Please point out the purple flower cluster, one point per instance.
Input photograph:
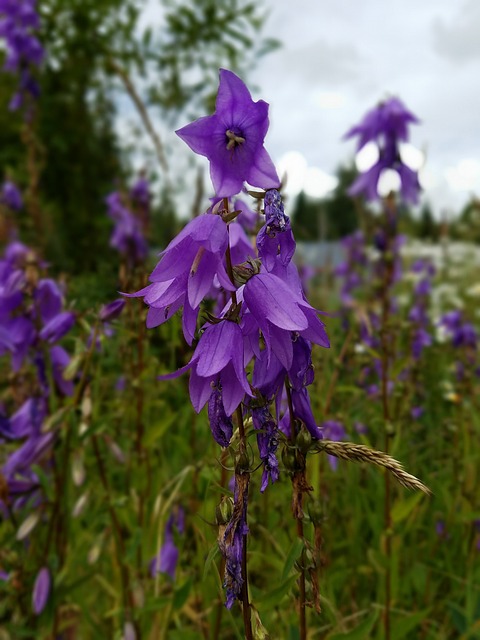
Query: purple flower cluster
{"points": [[18, 23], [128, 235], [464, 339], [386, 125], [260, 341], [418, 314], [32, 323]]}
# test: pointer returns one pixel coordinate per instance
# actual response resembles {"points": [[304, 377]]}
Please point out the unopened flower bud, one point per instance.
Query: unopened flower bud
{"points": [[303, 440], [224, 511], [315, 512], [243, 463], [289, 460]]}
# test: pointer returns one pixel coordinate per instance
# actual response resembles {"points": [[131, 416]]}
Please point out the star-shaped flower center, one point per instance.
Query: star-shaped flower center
{"points": [[233, 139]]}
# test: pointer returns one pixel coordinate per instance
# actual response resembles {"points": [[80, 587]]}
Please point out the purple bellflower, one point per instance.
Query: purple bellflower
{"points": [[232, 139], [186, 272], [217, 366], [386, 125]]}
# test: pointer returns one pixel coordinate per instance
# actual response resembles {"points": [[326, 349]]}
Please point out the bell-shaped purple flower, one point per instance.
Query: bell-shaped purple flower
{"points": [[232, 139], [390, 118], [386, 125], [217, 363], [280, 311], [186, 272]]}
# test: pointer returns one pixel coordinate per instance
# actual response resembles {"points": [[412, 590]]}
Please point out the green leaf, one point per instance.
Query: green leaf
{"points": [[293, 554], [403, 508], [181, 594], [400, 628], [212, 554], [274, 597], [362, 631]]}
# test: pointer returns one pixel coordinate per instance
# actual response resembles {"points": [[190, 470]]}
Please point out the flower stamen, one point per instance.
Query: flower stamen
{"points": [[234, 140]]}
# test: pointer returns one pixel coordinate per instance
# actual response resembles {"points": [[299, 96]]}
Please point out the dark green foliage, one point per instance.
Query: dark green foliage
{"points": [[329, 218]]}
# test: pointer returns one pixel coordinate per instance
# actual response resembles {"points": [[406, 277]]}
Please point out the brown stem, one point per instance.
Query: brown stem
{"points": [[297, 514], [128, 602], [247, 614], [142, 111]]}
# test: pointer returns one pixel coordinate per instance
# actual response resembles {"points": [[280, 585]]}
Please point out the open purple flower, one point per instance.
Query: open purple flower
{"points": [[218, 363], [386, 125], [232, 139], [280, 311], [186, 272], [390, 118]]}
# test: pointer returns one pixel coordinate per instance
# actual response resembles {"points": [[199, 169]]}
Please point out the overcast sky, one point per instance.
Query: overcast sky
{"points": [[340, 57]]}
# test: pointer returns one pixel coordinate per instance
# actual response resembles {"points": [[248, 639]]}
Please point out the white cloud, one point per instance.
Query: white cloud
{"points": [[465, 176], [300, 177]]}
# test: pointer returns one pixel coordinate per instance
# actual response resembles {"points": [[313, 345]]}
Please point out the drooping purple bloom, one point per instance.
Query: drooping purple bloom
{"points": [[232, 139], [217, 362], [127, 236], [386, 125], [390, 118], [279, 311], [186, 272], [302, 410], [41, 590]]}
